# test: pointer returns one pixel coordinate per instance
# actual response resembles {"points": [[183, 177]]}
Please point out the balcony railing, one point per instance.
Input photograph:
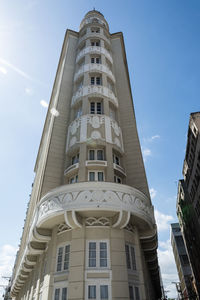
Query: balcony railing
{"points": [[95, 89], [94, 68], [96, 50]]}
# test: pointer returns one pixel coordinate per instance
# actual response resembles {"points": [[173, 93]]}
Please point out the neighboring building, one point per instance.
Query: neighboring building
{"points": [[188, 200], [90, 231], [182, 261]]}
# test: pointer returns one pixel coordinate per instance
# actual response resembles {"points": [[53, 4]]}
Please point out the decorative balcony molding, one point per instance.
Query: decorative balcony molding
{"points": [[94, 68], [100, 196], [105, 129], [96, 90], [95, 50], [119, 168], [93, 35], [96, 163], [71, 168], [70, 200]]}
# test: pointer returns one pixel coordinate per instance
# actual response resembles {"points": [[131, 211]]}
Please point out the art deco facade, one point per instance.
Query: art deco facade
{"points": [[90, 231], [188, 201]]}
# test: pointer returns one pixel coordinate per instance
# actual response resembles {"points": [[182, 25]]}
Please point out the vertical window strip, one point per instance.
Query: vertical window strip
{"points": [[133, 258], [128, 260], [64, 293], [60, 257], [91, 176], [131, 295], [100, 176], [92, 292], [92, 254], [66, 257], [57, 294], [103, 254], [103, 292], [137, 294]]}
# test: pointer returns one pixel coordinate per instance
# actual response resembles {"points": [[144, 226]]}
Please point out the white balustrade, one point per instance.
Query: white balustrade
{"points": [[93, 35], [94, 68], [95, 89], [96, 50]]}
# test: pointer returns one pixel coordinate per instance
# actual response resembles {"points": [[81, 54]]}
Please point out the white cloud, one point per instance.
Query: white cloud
{"points": [[155, 137], [162, 220], [7, 258], [146, 152], [54, 112], [3, 70], [29, 91], [152, 138], [168, 268], [44, 103], [153, 193]]}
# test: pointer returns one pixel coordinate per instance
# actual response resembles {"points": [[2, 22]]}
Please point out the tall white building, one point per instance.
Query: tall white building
{"points": [[90, 231]]}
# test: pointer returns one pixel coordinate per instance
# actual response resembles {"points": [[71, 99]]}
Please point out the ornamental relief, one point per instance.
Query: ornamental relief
{"points": [[84, 199], [78, 130]]}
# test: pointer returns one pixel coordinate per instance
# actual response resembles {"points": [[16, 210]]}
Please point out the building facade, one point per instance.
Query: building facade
{"points": [[188, 200], [90, 231], [182, 261]]}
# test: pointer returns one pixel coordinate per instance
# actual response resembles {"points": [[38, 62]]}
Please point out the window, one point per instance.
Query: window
{"points": [[63, 258], [96, 108], [98, 291], [95, 43], [78, 112], [137, 294], [75, 159], [104, 292], [95, 29], [134, 293], [95, 80], [92, 292], [96, 154], [96, 176], [184, 259], [130, 257], [116, 159], [179, 241], [60, 294], [117, 179], [97, 254], [131, 294], [73, 179], [112, 113], [96, 60]]}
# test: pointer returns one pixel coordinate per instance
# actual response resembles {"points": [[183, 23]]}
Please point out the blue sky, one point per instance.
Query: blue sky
{"points": [[162, 45]]}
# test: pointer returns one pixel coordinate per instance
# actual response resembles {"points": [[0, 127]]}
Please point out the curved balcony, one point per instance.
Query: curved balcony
{"points": [[94, 90], [94, 68], [71, 169], [96, 164], [94, 50], [78, 202], [99, 196], [99, 128], [119, 169], [89, 20], [93, 35]]}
